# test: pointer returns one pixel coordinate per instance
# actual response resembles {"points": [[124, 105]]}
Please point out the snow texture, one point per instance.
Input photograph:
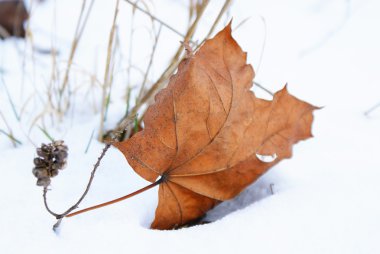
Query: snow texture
{"points": [[323, 200]]}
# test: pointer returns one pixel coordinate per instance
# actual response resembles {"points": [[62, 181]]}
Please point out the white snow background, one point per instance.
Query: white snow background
{"points": [[326, 198]]}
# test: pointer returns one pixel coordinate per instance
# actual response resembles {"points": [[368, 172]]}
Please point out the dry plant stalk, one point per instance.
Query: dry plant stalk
{"points": [[77, 36], [59, 216], [106, 82], [50, 160]]}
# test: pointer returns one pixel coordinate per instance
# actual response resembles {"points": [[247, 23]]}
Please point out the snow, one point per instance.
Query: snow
{"points": [[324, 198]]}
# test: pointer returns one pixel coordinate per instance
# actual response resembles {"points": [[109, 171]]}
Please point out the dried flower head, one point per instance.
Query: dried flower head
{"points": [[51, 158]]}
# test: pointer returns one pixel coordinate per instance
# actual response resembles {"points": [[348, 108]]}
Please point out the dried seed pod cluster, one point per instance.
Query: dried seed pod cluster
{"points": [[51, 158]]}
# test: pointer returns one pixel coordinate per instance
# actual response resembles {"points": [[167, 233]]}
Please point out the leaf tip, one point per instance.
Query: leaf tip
{"points": [[228, 28]]}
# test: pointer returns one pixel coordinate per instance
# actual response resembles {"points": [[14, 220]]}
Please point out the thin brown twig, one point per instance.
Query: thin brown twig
{"points": [[59, 216], [56, 215]]}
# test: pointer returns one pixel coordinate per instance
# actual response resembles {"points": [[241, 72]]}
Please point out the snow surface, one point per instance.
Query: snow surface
{"points": [[325, 199]]}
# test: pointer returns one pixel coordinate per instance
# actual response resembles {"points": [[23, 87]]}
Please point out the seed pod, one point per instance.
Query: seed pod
{"points": [[51, 158]]}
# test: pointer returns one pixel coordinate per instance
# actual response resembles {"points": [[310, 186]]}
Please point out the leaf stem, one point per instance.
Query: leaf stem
{"points": [[116, 200]]}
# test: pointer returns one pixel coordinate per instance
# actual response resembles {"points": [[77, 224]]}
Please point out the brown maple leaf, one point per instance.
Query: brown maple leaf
{"points": [[204, 131]]}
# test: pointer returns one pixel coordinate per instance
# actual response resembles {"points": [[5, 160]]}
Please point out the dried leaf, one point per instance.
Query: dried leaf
{"points": [[205, 131]]}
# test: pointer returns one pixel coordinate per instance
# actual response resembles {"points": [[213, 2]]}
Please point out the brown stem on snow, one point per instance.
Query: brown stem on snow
{"points": [[60, 216], [116, 200]]}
